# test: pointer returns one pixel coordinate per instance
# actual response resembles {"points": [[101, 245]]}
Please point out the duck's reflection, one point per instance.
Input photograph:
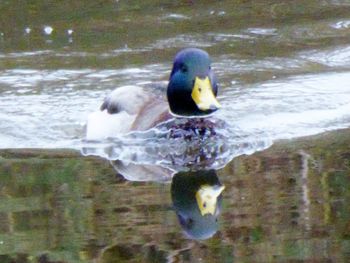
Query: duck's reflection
{"points": [[197, 198], [196, 195], [143, 172]]}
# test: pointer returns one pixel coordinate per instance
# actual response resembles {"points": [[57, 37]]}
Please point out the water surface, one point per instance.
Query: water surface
{"points": [[289, 203], [283, 69]]}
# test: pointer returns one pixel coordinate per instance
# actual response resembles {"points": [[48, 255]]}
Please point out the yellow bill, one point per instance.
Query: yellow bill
{"points": [[203, 95], [207, 197]]}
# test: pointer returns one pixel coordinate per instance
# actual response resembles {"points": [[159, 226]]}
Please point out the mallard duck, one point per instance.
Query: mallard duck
{"points": [[191, 92]]}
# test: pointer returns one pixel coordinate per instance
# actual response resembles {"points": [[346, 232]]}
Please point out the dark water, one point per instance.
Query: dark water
{"points": [[283, 68], [287, 204]]}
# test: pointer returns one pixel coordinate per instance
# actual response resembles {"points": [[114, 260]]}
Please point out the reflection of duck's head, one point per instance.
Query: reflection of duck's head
{"points": [[192, 87], [197, 200]]}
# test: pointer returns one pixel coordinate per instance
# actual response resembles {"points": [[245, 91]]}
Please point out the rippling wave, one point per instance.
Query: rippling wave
{"points": [[172, 146], [255, 114], [278, 81]]}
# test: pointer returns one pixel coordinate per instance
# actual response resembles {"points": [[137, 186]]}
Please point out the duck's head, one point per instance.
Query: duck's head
{"points": [[192, 87]]}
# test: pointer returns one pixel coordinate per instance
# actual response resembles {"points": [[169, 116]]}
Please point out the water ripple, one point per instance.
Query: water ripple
{"points": [[334, 57], [189, 149]]}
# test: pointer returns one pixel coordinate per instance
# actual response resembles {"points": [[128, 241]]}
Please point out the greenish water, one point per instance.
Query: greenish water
{"points": [[283, 69], [288, 203], [282, 66]]}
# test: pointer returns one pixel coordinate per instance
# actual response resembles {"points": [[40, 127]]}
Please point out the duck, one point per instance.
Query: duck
{"points": [[191, 93]]}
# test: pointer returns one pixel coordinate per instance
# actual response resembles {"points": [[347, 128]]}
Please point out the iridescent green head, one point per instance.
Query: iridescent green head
{"points": [[192, 87]]}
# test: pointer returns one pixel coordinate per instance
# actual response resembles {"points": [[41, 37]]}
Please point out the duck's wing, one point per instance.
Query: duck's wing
{"points": [[130, 99], [127, 108], [153, 113], [117, 113]]}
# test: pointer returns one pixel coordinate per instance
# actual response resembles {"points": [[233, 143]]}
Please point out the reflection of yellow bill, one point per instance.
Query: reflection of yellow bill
{"points": [[207, 197], [203, 95]]}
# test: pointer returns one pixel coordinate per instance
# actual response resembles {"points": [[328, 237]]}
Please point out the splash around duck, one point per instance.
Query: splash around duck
{"points": [[190, 94]]}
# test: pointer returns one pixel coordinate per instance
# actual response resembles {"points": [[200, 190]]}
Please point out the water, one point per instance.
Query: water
{"points": [[283, 69], [289, 203], [285, 79]]}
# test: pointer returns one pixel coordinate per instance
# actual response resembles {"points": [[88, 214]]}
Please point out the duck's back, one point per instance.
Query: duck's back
{"points": [[125, 109]]}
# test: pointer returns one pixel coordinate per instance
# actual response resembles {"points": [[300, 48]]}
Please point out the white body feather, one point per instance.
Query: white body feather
{"points": [[102, 124]]}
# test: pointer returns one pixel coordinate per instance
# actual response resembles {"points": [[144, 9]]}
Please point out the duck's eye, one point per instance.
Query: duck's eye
{"points": [[183, 68], [209, 68]]}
